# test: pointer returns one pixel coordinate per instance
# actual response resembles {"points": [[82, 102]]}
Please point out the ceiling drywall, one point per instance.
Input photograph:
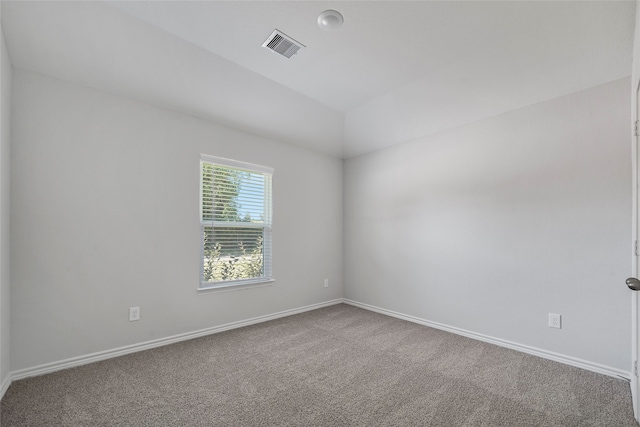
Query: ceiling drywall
{"points": [[394, 72]]}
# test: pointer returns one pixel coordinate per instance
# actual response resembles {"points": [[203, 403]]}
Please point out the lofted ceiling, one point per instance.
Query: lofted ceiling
{"points": [[396, 71]]}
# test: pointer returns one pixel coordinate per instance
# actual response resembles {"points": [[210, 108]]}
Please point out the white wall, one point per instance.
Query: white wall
{"points": [[491, 226], [5, 161], [636, 50], [105, 216]]}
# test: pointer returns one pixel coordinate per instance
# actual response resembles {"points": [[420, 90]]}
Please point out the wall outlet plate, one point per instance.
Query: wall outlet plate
{"points": [[555, 321], [134, 313]]}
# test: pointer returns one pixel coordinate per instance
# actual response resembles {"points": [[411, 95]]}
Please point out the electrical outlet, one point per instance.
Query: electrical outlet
{"points": [[326, 283], [134, 313], [555, 321]]}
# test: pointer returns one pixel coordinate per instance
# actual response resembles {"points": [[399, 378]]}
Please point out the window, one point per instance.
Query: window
{"points": [[235, 217]]}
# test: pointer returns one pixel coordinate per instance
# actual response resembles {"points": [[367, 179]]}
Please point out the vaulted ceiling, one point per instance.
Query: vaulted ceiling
{"points": [[396, 70]]}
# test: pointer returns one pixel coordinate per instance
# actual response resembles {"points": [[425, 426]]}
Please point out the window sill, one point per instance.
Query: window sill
{"points": [[235, 286]]}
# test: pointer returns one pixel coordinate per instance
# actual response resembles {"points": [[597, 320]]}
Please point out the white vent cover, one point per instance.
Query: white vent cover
{"points": [[282, 44]]}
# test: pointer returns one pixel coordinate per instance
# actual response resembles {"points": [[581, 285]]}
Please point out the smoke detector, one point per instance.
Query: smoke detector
{"points": [[330, 20], [282, 44]]}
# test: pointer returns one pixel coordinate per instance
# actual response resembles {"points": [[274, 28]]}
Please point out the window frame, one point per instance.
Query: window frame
{"points": [[267, 277]]}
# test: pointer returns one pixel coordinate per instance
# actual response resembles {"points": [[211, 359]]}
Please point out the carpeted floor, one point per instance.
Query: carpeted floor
{"points": [[337, 366]]}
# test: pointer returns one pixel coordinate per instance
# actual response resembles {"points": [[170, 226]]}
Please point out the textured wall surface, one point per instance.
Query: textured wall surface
{"points": [[491, 226], [105, 217]]}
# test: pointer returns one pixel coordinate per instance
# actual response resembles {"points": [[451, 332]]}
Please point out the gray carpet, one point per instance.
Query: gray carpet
{"points": [[337, 366]]}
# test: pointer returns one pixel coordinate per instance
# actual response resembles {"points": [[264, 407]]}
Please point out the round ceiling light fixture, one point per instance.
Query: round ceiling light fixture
{"points": [[330, 20]]}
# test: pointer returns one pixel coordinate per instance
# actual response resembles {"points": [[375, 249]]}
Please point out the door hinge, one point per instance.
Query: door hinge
{"points": [[635, 368], [635, 248], [637, 130]]}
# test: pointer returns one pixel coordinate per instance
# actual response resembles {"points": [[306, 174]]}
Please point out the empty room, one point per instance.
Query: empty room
{"points": [[319, 213]]}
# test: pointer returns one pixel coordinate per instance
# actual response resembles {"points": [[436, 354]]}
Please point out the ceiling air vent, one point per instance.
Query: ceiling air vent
{"points": [[282, 44]]}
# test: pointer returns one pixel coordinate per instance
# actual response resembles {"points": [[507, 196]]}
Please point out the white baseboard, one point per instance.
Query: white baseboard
{"points": [[121, 351], [4, 386], [567, 360]]}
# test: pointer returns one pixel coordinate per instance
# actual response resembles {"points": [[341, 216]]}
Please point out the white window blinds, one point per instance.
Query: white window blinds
{"points": [[235, 217]]}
